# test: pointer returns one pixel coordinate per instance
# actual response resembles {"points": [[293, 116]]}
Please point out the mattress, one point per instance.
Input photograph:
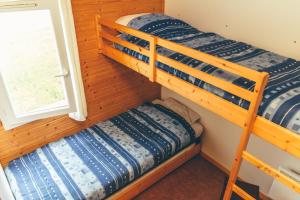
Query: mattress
{"points": [[98, 161], [281, 100]]}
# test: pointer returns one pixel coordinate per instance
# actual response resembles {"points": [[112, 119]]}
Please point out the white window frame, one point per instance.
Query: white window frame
{"points": [[61, 12]]}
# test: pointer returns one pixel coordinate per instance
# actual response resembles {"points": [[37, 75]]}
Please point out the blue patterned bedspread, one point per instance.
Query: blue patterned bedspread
{"points": [[281, 102], [98, 161]]}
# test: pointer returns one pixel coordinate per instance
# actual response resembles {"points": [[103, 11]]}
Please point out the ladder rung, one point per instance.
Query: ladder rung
{"points": [[242, 193], [272, 172]]}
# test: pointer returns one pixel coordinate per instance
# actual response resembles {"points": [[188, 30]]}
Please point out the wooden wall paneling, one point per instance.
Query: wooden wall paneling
{"points": [[126, 89]]}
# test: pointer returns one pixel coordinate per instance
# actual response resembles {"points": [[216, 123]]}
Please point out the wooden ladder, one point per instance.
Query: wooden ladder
{"points": [[242, 154], [241, 149]]}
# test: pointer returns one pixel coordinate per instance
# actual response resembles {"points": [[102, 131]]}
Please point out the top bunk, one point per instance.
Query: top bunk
{"points": [[224, 76]]}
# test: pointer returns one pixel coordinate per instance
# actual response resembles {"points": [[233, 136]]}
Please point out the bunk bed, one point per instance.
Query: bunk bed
{"points": [[158, 47], [115, 159]]}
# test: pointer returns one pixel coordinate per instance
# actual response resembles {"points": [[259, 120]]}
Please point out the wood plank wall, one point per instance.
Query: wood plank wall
{"points": [[109, 87]]}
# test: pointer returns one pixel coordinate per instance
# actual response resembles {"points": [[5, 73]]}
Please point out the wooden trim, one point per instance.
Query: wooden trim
{"points": [[215, 163], [99, 30], [272, 172], [163, 6], [141, 184], [262, 196]]}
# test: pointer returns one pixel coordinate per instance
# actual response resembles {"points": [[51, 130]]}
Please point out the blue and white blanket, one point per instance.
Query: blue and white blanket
{"points": [[100, 160], [281, 102]]}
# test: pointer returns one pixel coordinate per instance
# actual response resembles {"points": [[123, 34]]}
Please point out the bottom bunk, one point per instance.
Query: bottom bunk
{"points": [[135, 148]]}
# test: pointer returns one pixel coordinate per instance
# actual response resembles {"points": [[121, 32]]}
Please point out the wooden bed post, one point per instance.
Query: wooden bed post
{"points": [[152, 59], [247, 130]]}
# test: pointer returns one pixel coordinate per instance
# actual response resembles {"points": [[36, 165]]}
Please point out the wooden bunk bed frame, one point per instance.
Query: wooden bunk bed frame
{"points": [[248, 120]]}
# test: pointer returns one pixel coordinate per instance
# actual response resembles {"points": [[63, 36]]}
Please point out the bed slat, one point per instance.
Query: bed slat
{"points": [[129, 45], [242, 193], [129, 61], [212, 60], [224, 85], [272, 172], [123, 29]]}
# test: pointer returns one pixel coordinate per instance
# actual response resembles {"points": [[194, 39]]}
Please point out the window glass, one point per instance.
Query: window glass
{"points": [[30, 62]]}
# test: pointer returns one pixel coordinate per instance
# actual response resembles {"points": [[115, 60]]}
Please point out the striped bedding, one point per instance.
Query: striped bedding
{"points": [[281, 102], [100, 160]]}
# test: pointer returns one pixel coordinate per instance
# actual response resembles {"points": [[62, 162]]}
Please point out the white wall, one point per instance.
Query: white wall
{"points": [[270, 24]]}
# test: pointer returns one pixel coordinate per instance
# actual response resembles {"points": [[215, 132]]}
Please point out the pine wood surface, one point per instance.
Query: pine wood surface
{"points": [[109, 87]]}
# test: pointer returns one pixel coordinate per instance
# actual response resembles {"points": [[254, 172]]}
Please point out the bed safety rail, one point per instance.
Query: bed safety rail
{"points": [[108, 32], [247, 119]]}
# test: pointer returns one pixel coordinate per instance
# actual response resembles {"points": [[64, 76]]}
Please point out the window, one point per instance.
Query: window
{"points": [[38, 61]]}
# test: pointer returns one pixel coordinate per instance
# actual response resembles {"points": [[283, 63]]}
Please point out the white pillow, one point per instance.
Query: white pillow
{"points": [[126, 19], [198, 128]]}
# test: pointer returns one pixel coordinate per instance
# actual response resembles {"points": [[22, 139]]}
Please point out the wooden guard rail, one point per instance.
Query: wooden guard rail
{"points": [[154, 56], [246, 119]]}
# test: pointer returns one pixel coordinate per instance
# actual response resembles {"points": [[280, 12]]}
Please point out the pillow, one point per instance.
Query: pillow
{"points": [[189, 115], [198, 128], [126, 19]]}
